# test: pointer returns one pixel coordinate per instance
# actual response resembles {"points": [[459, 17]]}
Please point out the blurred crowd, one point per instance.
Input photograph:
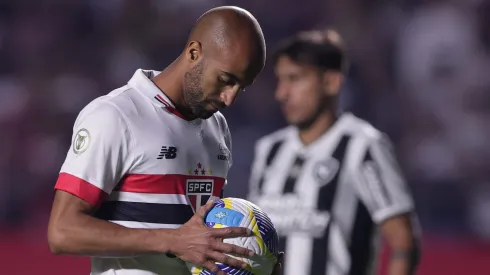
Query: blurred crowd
{"points": [[418, 72]]}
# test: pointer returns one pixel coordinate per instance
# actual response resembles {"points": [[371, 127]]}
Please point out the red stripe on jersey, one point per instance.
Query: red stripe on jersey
{"points": [[80, 188], [164, 184], [170, 108], [193, 200]]}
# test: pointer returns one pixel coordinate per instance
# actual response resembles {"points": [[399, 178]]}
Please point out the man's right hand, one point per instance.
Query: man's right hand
{"points": [[203, 246]]}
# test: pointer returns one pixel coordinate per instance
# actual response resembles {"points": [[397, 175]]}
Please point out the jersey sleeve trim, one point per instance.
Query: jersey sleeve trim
{"points": [[80, 188], [383, 214]]}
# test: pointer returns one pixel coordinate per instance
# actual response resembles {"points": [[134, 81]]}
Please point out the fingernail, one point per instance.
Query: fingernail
{"points": [[244, 266], [251, 253], [250, 232]]}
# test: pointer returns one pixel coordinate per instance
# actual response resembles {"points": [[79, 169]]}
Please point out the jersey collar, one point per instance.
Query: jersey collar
{"points": [[326, 137], [141, 81]]}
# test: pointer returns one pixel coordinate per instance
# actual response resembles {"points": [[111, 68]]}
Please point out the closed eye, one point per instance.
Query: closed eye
{"points": [[226, 81], [229, 78]]}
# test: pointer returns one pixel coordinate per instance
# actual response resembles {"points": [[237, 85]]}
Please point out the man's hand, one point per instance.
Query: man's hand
{"points": [[279, 264], [198, 244]]}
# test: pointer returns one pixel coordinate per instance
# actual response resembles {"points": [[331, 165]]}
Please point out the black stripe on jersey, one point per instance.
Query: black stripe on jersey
{"points": [[325, 201], [289, 188], [268, 161], [293, 175], [145, 212], [360, 249], [376, 185], [159, 100]]}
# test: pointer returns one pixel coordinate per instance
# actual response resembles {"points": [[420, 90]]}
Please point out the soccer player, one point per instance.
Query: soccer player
{"points": [[145, 158], [330, 179]]}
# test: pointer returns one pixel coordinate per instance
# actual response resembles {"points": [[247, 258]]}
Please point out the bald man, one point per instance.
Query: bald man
{"points": [[146, 158]]}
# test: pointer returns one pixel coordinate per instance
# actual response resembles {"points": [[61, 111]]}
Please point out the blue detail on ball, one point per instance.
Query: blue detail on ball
{"points": [[224, 216], [210, 224], [228, 270], [267, 231], [219, 203]]}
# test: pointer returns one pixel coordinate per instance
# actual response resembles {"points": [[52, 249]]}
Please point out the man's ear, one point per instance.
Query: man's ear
{"points": [[332, 82], [193, 52]]}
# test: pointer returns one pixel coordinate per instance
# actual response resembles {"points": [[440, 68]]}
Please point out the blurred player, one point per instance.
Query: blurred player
{"points": [[147, 156], [330, 179]]}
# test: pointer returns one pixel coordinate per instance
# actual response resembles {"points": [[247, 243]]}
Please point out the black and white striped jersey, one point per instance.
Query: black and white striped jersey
{"points": [[326, 198]]}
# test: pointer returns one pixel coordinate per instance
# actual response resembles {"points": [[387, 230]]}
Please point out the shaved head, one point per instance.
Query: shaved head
{"points": [[229, 28], [224, 54]]}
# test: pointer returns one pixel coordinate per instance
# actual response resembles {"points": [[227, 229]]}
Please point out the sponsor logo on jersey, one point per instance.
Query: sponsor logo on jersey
{"points": [[301, 217], [167, 152], [224, 153]]}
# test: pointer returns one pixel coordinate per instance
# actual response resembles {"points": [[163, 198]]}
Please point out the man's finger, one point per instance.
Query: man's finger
{"points": [[227, 260], [209, 265], [232, 249], [231, 232], [203, 210], [278, 266], [280, 257]]}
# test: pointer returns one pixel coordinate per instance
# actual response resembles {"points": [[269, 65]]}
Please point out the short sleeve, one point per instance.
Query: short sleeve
{"points": [[380, 183], [99, 154]]}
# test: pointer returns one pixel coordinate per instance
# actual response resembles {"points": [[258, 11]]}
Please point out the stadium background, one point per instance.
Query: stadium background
{"points": [[419, 72]]}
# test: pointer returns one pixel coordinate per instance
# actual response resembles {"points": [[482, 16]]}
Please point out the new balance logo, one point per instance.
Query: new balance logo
{"points": [[167, 152]]}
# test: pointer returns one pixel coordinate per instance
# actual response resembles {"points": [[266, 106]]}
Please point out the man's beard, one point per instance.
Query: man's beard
{"points": [[193, 92]]}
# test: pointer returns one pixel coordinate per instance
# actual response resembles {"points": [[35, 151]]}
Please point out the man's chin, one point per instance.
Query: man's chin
{"points": [[202, 113], [206, 115], [292, 121], [302, 124]]}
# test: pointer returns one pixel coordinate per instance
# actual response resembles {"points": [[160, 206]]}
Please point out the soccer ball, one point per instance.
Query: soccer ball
{"points": [[236, 212]]}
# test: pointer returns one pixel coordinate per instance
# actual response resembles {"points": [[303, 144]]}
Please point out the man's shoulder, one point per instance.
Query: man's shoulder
{"points": [[359, 127], [115, 105], [276, 136], [218, 120], [101, 104]]}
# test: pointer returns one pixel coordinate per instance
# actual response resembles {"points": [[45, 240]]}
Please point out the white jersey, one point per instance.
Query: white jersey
{"points": [[326, 198], [145, 166]]}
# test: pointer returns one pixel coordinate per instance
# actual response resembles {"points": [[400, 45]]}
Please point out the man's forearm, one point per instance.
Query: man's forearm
{"points": [[403, 261], [89, 236], [403, 242]]}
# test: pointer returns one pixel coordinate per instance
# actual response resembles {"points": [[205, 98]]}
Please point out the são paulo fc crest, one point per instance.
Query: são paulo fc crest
{"points": [[199, 191]]}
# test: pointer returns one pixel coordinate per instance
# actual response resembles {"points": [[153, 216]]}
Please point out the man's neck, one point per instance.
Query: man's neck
{"points": [[170, 81], [318, 128]]}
